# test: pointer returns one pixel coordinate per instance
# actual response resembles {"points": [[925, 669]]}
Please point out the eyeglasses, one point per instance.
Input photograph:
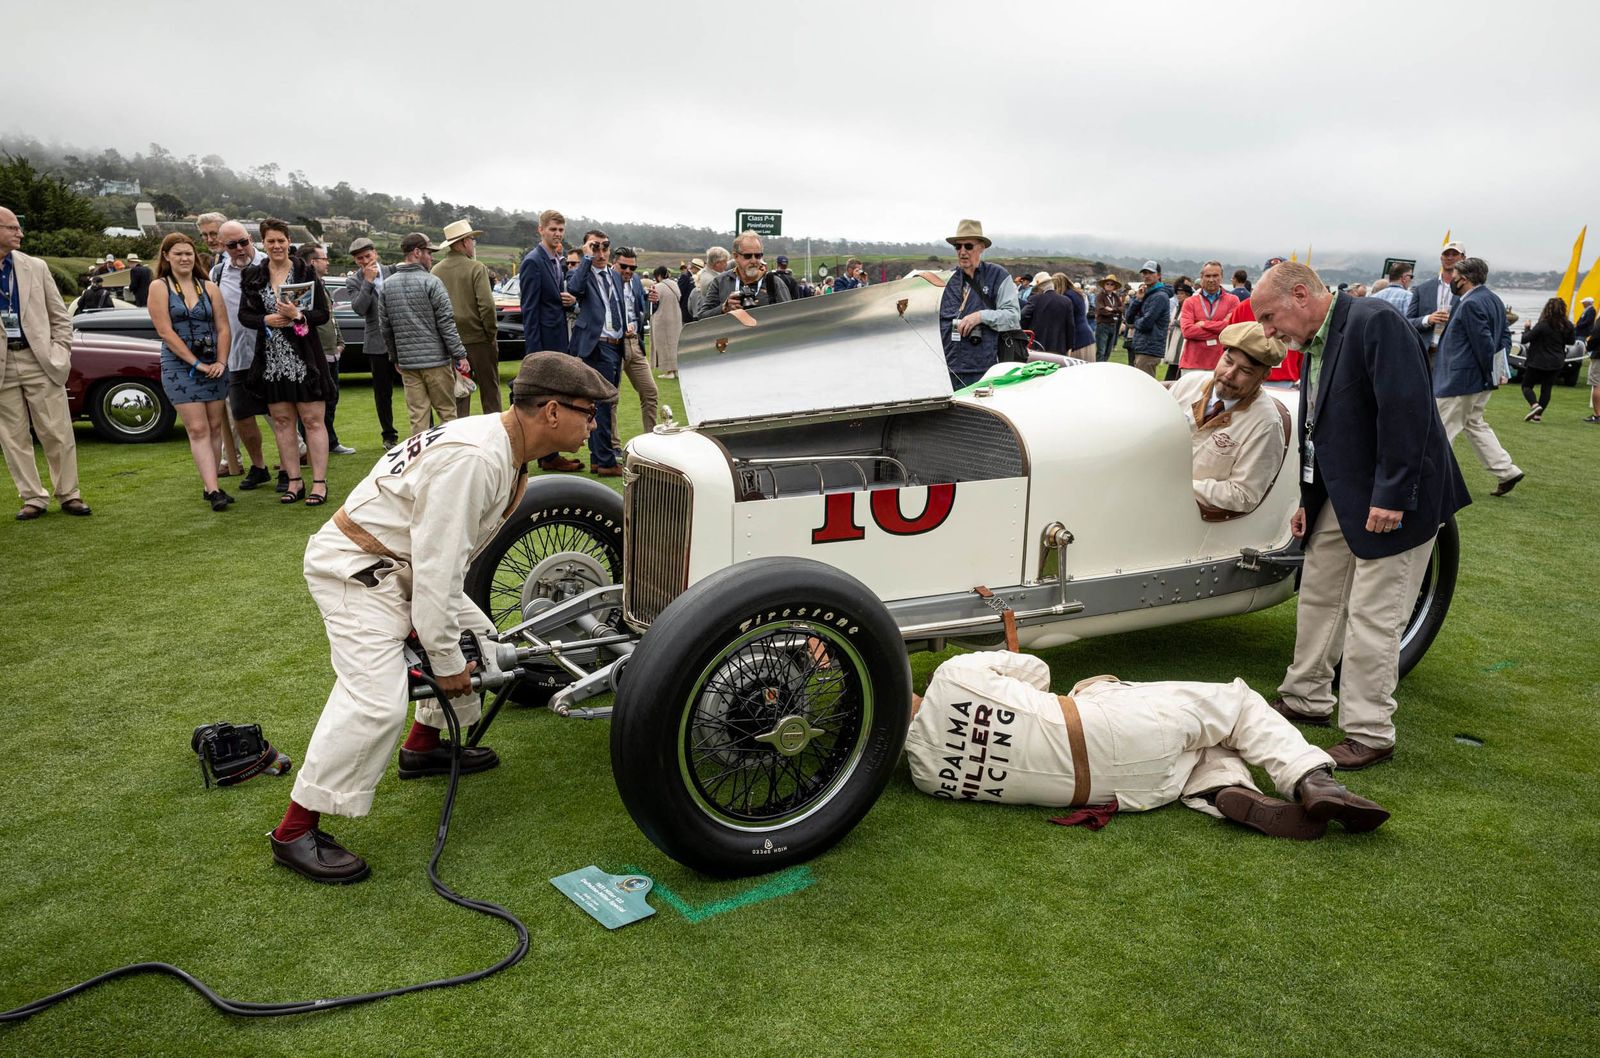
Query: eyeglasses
{"points": [[758, 255], [601, 244], [237, 244], [626, 268], [966, 246], [591, 411]]}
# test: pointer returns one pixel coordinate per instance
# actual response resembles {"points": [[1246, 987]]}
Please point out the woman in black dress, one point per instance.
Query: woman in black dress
{"points": [[1544, 351], [290, 371]]}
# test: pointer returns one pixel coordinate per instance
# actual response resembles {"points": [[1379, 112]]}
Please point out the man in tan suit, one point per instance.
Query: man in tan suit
{"points": [[33, 378]]}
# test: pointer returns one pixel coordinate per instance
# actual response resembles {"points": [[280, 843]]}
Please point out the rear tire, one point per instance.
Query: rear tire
{"points": [[762, 715], [1433, 600]]}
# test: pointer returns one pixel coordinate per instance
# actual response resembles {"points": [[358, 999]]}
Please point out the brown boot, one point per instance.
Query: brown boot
{"points": [[1324, 798], [559, 464], [1290, 713], [1351, 755], [1275, 818]]}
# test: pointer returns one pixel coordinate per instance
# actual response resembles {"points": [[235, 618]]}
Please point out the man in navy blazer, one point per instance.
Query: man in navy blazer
{"points": [[637, 305], [597, 339], [1377, 481], [1463, 375], [1431, 300], [540, 282]]}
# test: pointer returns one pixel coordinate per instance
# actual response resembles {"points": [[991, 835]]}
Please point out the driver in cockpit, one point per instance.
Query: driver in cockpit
{"points": [[1236, 431]]}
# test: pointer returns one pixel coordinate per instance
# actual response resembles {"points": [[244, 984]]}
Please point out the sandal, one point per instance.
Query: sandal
{"points": [[317, 499], [292, 494]]}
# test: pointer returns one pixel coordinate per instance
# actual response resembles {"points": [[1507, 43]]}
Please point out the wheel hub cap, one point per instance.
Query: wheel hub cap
{"points": [[791, 735]]}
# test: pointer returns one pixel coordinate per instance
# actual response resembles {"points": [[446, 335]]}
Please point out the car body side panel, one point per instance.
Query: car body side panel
{"points": [[900, 542]]}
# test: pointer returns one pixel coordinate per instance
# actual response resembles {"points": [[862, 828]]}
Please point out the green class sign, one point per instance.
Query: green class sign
{"points": [[764, 222]]}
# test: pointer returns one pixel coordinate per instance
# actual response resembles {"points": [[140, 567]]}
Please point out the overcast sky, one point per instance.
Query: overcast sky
{"points": [[1231, 128]]}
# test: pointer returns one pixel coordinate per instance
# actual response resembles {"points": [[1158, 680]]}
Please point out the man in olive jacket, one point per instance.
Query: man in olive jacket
{"points": [[466, 280]]}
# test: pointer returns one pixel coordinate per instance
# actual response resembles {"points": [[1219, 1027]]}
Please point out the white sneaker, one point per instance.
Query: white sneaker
{"points": [[342, 450], [1533, 414]]}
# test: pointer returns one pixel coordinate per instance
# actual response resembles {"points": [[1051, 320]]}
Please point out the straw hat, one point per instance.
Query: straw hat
{"points": [[457, 230], [1042, 278], [1113, 280], [970, 230]]}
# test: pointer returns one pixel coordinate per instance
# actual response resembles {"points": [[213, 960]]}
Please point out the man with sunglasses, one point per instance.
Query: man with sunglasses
{"points": [[746, 285], [239, 253], [393, 559], [597, 338], [635, 365], [979, 302]]}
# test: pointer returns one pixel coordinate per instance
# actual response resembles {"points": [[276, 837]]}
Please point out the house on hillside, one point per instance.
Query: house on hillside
{"points": [[404, 218], [344, 224]]}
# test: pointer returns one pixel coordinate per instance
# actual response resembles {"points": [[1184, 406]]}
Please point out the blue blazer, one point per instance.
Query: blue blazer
{"points": [[544, 320], [591, 305], [1376, 432], [641, 307], [1466, 350], [1424, 302]]}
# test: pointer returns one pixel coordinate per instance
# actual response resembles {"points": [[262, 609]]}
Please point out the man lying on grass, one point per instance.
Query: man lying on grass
{"points": [[989, 729], [393, 559]]}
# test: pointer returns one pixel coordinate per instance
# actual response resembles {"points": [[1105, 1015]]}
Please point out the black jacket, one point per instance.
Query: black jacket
{"points": [[1049, 316], [1545, 347], [253, 313], [1376, 432]]}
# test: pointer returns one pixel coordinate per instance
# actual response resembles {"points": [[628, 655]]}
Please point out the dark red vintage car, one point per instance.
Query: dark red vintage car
{"points": [[116, 382]]}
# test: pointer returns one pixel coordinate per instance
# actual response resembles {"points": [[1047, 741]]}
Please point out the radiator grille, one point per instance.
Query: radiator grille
{"points": [[657, 505]]}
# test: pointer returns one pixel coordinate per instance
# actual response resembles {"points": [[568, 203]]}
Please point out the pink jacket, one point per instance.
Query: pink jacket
{"points": [[1200, 346]]}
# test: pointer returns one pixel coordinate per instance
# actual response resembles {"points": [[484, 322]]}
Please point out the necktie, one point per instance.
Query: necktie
{"points": [[1215, 410]]}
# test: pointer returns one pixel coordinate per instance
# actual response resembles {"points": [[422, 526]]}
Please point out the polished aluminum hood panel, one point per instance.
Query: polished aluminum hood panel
{"points": [[828, 357]]}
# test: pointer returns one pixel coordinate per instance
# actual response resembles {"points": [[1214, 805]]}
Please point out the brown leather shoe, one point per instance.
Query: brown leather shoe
{"points": [[1271, 816], [317, 856], [414, 764], [607, 472], [1351, 755], [1508, 484], [29, 512], [1289, 712], [559, 464], [76, 507], [1324, 798]]}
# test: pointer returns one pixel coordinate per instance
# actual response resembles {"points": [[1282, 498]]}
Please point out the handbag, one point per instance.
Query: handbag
{"points": [[1013, 345], [464, 386]]}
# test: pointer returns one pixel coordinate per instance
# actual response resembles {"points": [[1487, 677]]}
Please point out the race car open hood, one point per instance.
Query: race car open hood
{"points": [[870, 349]]}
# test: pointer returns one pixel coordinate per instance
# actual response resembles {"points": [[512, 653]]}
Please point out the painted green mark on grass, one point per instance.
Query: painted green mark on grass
{"points": [[781, 884], [1499, 665]]}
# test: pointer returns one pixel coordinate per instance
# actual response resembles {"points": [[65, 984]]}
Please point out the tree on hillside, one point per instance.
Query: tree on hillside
{"points": [[46, 202], [168, 205]]}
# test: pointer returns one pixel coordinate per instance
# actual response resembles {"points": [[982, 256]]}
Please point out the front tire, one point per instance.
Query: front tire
{"points": [[762, 715], [1433, 599], [131, 410]]}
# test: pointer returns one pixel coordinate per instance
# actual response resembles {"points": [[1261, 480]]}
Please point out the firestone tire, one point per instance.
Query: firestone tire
{"points": [[762, 715], [1433, 599], [564, 538]]}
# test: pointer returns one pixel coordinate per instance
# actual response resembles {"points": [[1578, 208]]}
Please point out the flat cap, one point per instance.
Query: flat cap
{"points": [[417, 240], [360, 244], [560, 375], [1253, 342]]}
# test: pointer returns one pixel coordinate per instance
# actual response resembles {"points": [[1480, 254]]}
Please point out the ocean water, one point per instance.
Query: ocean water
{"points": [[1527, 304]]}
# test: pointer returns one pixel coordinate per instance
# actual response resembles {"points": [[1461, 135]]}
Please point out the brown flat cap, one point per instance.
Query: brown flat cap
{"points": [[1253, 342], [417, 240], [560, 375]]}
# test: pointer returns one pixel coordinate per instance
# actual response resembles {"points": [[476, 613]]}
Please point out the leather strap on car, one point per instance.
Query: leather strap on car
{"points": [[1080, 749], [360, 537], [1008, 617]]}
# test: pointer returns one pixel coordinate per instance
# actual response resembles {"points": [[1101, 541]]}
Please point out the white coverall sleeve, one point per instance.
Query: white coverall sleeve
{"points": [[443, 534]]}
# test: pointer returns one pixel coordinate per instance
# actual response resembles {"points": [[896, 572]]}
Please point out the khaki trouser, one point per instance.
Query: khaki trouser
{"points": [[429, 389], [1147, 364], [26, 393], [367, 626], [1466, 413], [637, 368], [990, 729], [484, 359], [1355, 609]]}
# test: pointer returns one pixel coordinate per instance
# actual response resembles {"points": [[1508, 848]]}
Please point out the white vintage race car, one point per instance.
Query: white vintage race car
{"points": [[829, 505]]}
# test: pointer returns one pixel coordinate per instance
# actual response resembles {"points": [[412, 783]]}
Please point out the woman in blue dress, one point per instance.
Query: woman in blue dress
{"points": [[194, 373]]}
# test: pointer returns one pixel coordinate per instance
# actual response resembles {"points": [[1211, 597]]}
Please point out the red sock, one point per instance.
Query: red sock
{"points": [[296, 821], [422, 738]]}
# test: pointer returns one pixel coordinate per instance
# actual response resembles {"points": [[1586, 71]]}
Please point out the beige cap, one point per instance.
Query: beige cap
{"points": [[1252, 341], [1042, 279]]}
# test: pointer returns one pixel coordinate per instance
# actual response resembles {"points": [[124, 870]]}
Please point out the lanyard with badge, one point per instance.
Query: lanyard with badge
{"points": [[1308, 458], [10, 303]]}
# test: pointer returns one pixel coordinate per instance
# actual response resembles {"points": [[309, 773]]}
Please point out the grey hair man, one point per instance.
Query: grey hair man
{"points": [[1463, 374], [747, 285], [716, 264], [239, 253], [210, 228]]}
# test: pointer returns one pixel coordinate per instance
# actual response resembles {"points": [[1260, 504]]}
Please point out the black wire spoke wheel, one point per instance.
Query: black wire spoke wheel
{"points": [[555, 559], [776, 727], [762, 715]]}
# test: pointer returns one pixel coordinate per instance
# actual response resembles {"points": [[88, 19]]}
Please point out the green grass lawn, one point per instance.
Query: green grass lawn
{"points": [[1466, 926]]}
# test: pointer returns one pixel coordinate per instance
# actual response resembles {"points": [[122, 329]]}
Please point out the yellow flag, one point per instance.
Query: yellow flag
{"points": [[1446, 238], [1308, 255], [1589, 288], [1570, 281], [1294, 256]]}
